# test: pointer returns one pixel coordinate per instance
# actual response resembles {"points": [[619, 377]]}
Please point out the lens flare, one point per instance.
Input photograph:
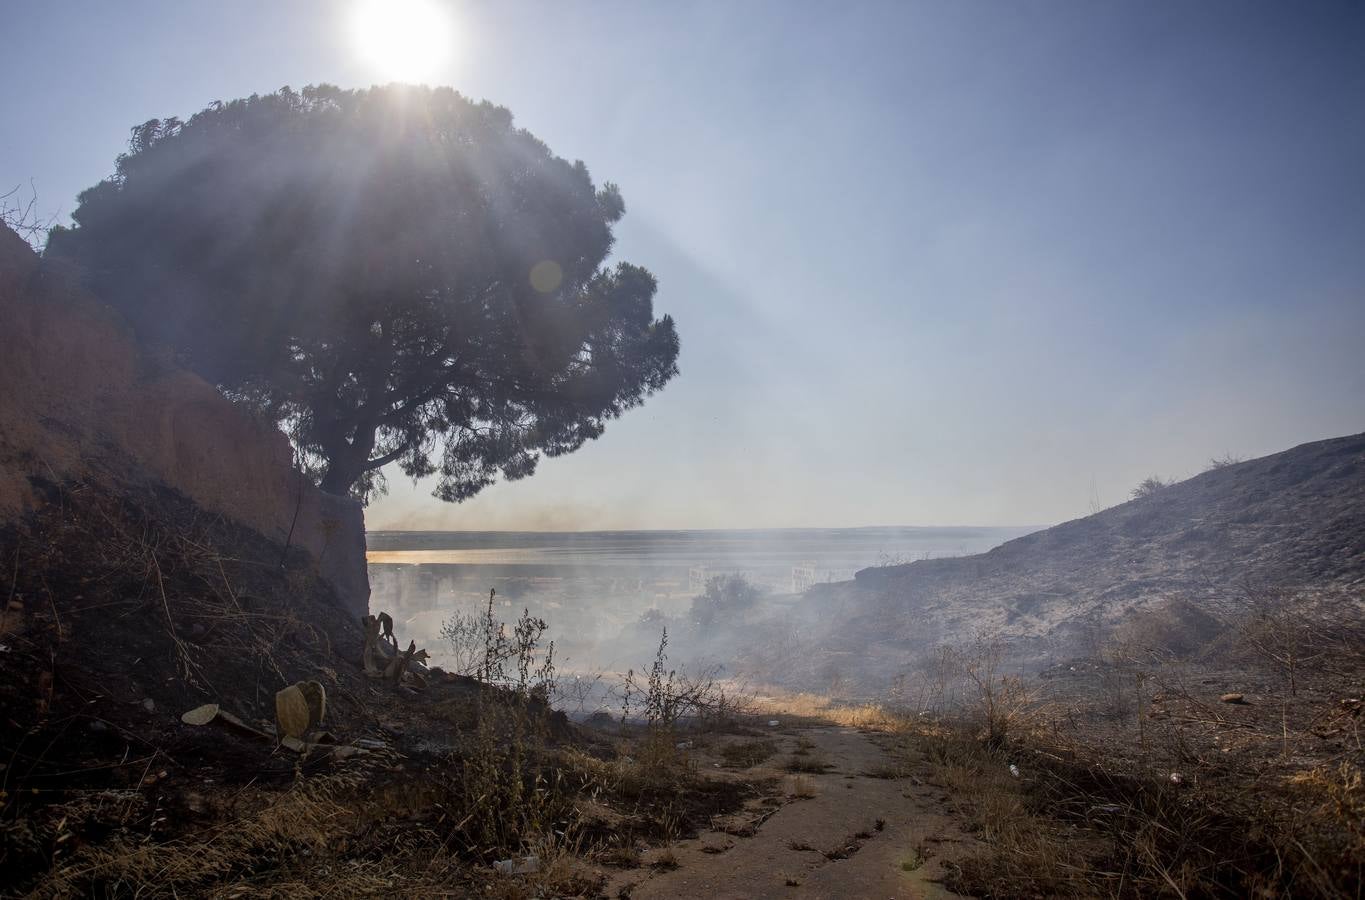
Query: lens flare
{"points": [[546, 276]]}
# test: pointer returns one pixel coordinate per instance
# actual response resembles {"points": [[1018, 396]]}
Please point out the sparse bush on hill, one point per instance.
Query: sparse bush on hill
{"points": [[1222, 462], [1149, 486]]}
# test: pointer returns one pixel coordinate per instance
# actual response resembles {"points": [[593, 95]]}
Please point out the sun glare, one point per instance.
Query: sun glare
{"points": [[404, 40]]}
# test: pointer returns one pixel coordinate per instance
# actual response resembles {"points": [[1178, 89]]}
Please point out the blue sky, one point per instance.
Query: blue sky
{"points": [[932, 263]]}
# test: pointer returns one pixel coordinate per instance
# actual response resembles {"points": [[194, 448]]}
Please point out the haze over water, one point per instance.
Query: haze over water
{"points": [[766, 554]]}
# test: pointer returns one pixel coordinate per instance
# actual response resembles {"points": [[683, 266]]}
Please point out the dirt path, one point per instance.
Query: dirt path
{"points": [[860, 836]]}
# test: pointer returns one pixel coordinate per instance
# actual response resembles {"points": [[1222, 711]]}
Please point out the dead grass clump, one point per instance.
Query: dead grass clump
{"points": [[747, 754], [811, 765], [802, 788], [666, 861], [626, 857], [847, 847]]}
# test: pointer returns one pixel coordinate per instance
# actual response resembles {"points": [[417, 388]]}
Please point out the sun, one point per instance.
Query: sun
{"points": [[403, 40]]}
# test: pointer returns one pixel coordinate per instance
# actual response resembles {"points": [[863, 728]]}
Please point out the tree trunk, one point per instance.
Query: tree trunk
{"points": [[347, 461], [339, 478]]}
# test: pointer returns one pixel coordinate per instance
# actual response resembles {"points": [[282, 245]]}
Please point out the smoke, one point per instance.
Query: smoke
{"points": [[754, 603]]}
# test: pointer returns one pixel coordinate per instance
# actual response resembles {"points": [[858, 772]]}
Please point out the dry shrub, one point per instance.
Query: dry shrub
{"points": [[747, 754], [512, 797], [809, 764]]}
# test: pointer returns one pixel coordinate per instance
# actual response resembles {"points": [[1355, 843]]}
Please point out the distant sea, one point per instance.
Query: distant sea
{"points": [[833, 552]]}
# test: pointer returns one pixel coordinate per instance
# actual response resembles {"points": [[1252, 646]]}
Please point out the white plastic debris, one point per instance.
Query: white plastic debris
{"points": [[526, 865], [683, 745], [773, 723], [1014, 770]]}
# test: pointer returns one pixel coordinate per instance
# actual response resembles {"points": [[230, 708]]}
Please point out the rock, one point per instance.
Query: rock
{"points": [[200, 715], [1234, 698], [149, 704]]}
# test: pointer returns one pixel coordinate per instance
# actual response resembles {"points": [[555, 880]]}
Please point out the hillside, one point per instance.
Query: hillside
{"points": [[1295, 518]]}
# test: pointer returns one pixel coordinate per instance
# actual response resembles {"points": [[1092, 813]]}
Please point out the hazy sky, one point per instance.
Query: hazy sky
{"points": [[932, 263]]}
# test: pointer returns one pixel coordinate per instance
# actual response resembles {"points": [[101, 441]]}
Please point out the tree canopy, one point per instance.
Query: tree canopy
{"points": [[395, 275]]}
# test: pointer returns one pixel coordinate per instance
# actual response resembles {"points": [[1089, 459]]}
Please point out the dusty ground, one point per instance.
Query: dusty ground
{"points": [[863, 834]]}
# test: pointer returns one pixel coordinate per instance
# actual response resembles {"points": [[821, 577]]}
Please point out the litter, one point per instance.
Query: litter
{"points": [[526, 865]]}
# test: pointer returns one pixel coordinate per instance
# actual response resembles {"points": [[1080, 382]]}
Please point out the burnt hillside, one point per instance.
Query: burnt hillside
{"points": [[1295, 518]]}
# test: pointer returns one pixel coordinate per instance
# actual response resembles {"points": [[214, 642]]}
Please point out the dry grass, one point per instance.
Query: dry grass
{"points": [[300, 824], [1181, 796], [809, 764], [820, 708], [665, 861], [747, 754]]}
